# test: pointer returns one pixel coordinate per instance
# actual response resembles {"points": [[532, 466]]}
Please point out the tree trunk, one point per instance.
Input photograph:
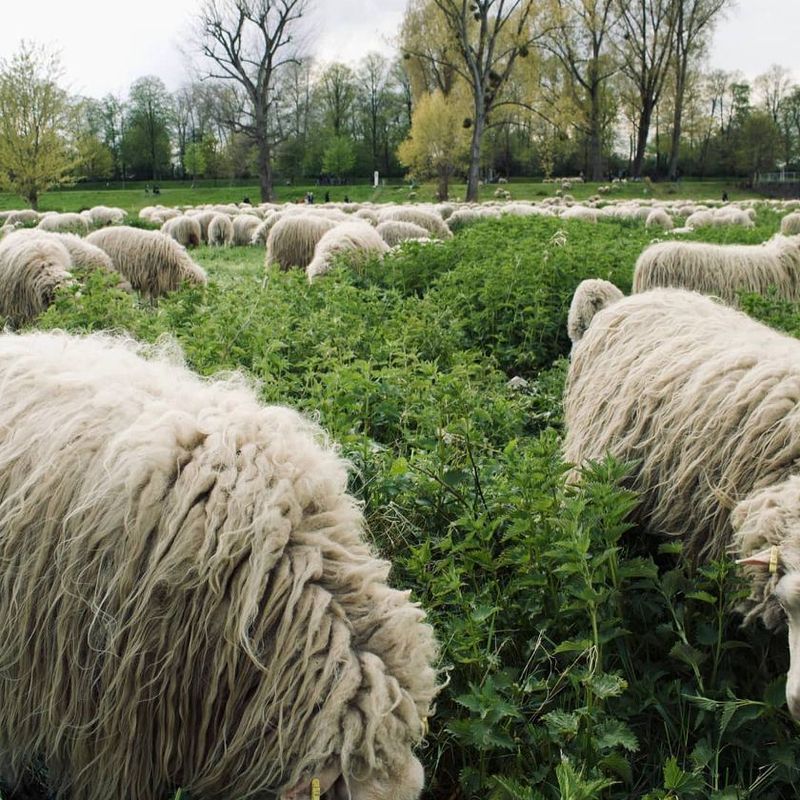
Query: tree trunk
{"points": [[264, 167], [443, 190], [675, 150], [641, 139], [473, 177], [33, 199], [595, 171]]}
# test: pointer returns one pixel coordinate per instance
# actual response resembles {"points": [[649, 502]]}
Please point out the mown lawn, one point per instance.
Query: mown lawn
{"points": [[583, 660]]}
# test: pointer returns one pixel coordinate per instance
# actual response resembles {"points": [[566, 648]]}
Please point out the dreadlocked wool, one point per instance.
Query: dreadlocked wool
{"points": [[394, 232], [153, 263], [430, 220], [293, 239], [790, 224], [33, 264], [357, 237], [722, 270], [244, 226], [590, 297], [184, 229], [220, 231], [186, 593], [68, 223], [705, 401]]}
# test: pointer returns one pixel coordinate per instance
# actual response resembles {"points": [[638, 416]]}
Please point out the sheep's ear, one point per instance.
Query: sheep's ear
{"points": [[305, 789], [764, 558]]}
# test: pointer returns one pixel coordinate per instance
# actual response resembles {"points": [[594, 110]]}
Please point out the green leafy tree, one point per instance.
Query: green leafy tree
{"points": [[146, 142], [339, 157], [759, 144], [439, 143], [35, 118], [194, 160]]}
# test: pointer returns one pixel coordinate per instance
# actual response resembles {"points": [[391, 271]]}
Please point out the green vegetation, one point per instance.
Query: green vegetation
{"points": [[583, 660], [177, 193]]}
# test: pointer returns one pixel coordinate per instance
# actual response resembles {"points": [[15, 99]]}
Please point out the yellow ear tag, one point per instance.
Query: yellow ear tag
{"points": [[773, 559], [315, 793]]}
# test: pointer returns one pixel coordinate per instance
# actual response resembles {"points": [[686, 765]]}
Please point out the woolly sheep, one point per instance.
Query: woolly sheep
{"points": [[580, 212], [244, 226], [429, 220], [367, 214], [790, 224], [33, 265], [103, 215], [184, 230], [153, 262], [64, 222], [186, 592], [261, 233], [24, 217], [658, 218], [591, 296], [705, 401], [356, 236], [204, 220], [220, 231], [394, 232], [293, 239], [722, 270]]}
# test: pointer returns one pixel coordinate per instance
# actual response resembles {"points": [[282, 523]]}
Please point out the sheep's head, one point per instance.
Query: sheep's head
{"points": [[767, 526], [404, 783]]}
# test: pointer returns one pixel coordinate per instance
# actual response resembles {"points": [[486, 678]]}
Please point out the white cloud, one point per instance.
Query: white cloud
{"points": [[106, 46]]}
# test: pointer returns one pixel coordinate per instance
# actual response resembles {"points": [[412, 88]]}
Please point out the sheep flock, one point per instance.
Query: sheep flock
{"points": [[195, 596]]}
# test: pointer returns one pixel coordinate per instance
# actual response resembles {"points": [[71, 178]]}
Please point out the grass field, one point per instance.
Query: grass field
{"points": [[584, 661], [133, 199]]}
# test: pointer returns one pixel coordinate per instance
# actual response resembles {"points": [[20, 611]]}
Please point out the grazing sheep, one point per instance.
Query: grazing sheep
{"points": [[220, 231], [293, 239], [582, 213], [187, 596], [394, 232], [367, 214], [790, 224], [65, 223], [592, 296], [699, 219], [103, 215], [658, 218], [204, 220], [244, 226], [184, 230], [705, 401], [355, 236], [24, 217], [153, 262], [261, 233], [33, 264], [463, 218], [722, 270], [432, 222]]}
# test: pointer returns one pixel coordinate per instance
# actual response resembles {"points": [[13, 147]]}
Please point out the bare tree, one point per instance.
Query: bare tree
{"points": [[487, 36], [249, 41], [580, 41], [646, 46], [772, 88], [694, 20]]}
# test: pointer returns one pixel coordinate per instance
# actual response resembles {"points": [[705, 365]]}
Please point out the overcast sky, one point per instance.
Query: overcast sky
{"points": [[105, 46]]}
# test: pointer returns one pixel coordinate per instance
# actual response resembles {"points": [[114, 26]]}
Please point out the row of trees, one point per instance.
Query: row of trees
{"points": [[514, 87]]}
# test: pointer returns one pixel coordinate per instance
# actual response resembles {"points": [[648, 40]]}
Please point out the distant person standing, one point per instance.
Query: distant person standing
{"points": [[724, 197]]}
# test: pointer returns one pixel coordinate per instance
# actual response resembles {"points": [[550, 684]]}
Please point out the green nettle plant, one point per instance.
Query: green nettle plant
{"points": [[580, 657]]}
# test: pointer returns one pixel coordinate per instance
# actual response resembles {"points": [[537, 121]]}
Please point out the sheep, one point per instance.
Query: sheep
{"points": [[591, 296], [244, 226], [204, 220], [367, 214], [658, 218], [103, 215], [582, 213], [790, 224], [722, 270], [24, 217], [293, 239], [154, 263], [394, 232], [220, 231], [33, 265], [463, 218], [432, 222], [261, 233], [184, 230], [186, 591], [356, 236], [64, 222], [705, 401]]}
